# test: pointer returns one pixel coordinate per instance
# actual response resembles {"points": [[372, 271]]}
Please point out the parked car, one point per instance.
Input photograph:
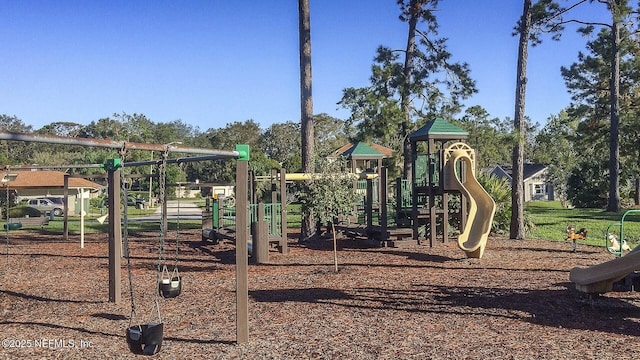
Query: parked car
{"points": [[139, 203], [57, 200], [131, 201], [46, 205]]}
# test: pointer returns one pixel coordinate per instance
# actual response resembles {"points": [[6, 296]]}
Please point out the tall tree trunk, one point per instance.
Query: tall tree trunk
{"points": [[636, 197], [517, 230], [614, 140], [406, 85], [306, 104]]}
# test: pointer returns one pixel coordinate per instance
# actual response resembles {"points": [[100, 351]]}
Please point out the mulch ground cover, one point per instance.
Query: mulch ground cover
{"points": [[417, 302]]}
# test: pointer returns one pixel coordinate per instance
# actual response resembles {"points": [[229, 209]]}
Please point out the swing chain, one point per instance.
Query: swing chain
{"points": [[125, 236], [175, 267], [162, 182], [7, 227]]}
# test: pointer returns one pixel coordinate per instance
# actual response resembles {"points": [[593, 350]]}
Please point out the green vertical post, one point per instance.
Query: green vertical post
{"points": [[215, 214]]}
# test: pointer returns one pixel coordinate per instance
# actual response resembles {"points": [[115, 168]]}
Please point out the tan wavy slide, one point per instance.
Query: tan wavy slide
{"points": [[473, 239], [599, 278]]}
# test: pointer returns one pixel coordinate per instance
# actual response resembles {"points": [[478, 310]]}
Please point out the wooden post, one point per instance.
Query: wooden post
{"points": [[383, 204], [65, 195], [242, 234], [220, 205], [115, 235], [432, 202], [274, 191], [207, 215], [399, 209], [445, 217], [369, 207], [414, 194], [207, 220], [252, 187], [260, 230], [284, 247]]}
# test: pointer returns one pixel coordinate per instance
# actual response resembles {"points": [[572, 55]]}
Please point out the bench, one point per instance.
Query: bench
{"points": [[39, 221]]}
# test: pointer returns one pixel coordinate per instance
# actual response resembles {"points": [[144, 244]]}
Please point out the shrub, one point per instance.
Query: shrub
{"points": [[588, 184], [500, 191], [23, 211]]}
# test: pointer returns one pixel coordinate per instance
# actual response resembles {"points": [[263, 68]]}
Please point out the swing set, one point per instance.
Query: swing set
{"points": [[146, 338]]}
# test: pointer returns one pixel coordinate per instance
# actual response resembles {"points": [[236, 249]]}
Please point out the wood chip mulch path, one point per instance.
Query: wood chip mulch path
{"points": [[383, 303]]}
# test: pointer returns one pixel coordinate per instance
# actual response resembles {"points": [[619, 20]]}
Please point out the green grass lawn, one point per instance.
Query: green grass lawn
{"points": [[551, 221], [91, 223]]}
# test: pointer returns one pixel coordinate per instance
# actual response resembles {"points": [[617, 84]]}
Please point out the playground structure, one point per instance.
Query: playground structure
{"points": [[619, 274], [443, 168], [267, 221]]}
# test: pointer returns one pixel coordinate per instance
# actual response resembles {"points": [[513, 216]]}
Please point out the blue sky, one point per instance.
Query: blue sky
{"points": [[213, 62]]}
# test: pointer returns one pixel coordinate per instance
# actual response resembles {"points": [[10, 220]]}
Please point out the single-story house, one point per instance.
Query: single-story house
{"points": [[536, 186], [30, 184], [197, 189]]}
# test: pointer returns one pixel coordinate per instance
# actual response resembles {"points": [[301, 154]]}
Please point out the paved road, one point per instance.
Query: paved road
{"points": [[183, 210]]}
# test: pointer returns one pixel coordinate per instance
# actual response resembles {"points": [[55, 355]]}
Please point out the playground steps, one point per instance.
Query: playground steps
{"points": [[402, 243], [394, 237], [400, 238]]}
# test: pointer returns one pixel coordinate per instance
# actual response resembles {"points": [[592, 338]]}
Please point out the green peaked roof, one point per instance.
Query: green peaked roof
{"points": [[438, 126], [361, 149]]}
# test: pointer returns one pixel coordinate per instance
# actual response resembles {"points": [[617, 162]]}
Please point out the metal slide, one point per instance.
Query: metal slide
{"points": [[481, 206], [599, 278]]}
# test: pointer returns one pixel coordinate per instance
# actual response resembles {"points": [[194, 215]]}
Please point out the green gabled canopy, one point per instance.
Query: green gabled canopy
{"points": [[362, 150], [438, 128]]}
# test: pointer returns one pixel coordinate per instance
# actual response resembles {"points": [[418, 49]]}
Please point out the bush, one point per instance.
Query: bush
{"points": [[588, 184], [500, 191], [23, 211]]}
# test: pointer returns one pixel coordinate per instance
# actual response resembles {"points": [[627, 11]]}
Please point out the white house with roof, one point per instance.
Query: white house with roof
{"points": [[536, 186], [30, 184]]}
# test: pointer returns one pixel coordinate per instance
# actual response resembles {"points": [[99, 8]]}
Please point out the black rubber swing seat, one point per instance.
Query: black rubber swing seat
{"points": [[13, 226], [170, 288], [145, 339]]}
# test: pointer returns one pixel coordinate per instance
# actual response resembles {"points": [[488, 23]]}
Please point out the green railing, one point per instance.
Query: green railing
{"points": [[406, 191], [361, 189], [272, 214]]}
